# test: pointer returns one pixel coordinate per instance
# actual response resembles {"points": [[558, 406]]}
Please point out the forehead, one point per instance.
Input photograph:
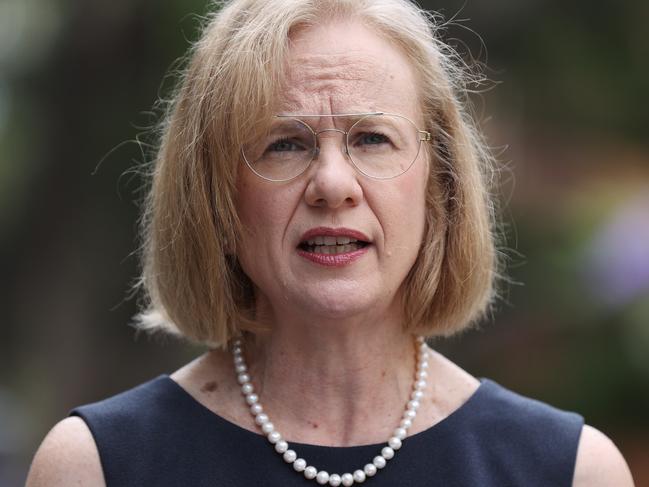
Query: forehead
{"points": [[346, 67]]}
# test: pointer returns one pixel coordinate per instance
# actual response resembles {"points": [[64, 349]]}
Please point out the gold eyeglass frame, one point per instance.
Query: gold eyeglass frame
{"points": [[424, 136]]}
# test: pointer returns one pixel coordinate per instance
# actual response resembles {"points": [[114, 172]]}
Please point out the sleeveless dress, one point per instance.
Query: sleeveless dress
{"points": [[158, 435]]}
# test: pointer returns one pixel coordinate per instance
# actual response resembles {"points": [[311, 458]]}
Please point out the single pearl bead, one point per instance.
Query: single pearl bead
{"points": [[414, 404], [240, 368], [247, 388], [420, 339], [281, 446], [252, 399], [422, 375], [274, 436], [370, 469], [261, 419], [322, 477], [387, 453], [268, 427], [379, 461], [395, 443], [406, 423], [400, 433], [243, 378], [310, 472], [423, 365], [256, 409], [289, 456], [238, 359], [347, 479], [359, 476], [417, 395], [420, 384], [410, 414], [335, 480], [299, 465]]}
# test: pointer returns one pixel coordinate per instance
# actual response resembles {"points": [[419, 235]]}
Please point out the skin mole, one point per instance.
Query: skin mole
{"points": [[209, 387]]}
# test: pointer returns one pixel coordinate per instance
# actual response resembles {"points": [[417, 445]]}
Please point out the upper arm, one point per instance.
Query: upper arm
{"points": [[599, 462], [68, 456]]}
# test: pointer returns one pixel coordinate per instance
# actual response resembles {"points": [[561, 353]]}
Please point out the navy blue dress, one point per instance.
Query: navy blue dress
{"points": [[158, 435]]}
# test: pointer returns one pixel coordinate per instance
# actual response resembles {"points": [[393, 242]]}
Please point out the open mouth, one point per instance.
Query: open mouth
{"points": [[332, 245]]}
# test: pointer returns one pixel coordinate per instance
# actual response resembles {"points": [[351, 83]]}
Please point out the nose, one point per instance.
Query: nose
{"points": [[333, 181]]}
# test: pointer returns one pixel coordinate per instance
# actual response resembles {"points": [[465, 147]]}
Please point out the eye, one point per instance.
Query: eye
{"points": [[371, 138], [285, 145]]}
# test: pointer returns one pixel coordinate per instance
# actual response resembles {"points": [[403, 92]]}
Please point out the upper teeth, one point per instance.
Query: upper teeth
{"points": [[329, 240]]}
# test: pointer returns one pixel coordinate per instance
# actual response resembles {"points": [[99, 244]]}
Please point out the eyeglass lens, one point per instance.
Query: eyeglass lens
{"points": [[380, 146]]}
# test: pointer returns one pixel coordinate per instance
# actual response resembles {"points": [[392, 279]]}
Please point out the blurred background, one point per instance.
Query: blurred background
{"points": [[78, 80]]}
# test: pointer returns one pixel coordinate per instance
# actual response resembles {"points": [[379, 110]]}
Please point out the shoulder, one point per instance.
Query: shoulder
{"points": [[141, 405], [94, 445], [540, 433], [599, 462], [518, 440], [596, 461], [67, 456]]}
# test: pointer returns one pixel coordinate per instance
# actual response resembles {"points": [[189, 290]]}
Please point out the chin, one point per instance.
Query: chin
{"points": [[341, 302]]}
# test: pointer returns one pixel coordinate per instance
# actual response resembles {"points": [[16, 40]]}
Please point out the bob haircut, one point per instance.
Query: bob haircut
{"points": [[193, 285]]}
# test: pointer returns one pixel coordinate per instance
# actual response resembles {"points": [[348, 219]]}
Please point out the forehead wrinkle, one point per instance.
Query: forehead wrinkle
{"points": [[334, 78], [338, 66]]}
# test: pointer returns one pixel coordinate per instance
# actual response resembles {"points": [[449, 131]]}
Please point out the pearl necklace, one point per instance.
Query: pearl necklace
{"points": [[299, 464]]}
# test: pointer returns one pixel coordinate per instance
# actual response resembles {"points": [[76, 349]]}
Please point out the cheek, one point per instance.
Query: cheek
{"points": [[255, 212], [254, 203], [264, 211], [412, 193], [403, 221]]}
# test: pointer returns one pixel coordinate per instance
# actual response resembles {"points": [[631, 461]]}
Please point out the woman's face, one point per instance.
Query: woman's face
{"points": [[336, 68]]}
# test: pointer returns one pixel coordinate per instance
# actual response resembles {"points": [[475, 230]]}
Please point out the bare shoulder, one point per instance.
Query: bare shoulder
{"points": [[67, 456], [599, 462]]}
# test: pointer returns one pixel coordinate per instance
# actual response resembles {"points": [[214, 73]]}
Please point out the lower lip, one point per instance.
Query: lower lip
{"points": [[334, 260]]}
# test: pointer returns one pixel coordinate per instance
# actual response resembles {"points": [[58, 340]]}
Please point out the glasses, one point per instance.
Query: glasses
{"points": [[379, 145]]}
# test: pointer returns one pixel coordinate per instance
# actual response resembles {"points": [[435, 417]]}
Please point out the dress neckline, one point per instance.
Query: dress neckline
{"points": [[456, 415]]}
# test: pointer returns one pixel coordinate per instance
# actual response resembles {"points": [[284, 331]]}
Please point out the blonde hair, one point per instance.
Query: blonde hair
{"points": [[193, 284]]}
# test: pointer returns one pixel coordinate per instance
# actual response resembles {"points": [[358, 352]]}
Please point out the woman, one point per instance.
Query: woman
{"points": [[319, 204]]}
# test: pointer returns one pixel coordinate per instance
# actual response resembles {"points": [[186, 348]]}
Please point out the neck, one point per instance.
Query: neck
{"points": [[334, 382]]}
